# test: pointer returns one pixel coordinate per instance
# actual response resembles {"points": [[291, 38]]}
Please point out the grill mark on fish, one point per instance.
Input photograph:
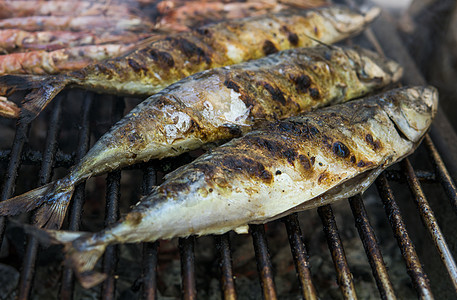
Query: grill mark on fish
{"points": [[340, 149], [375, 144], [302, 82], [162, 58], [269, 48], [190, 49], [275, 92]]}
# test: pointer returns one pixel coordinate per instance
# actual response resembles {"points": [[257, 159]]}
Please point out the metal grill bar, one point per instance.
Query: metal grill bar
{"points": [[225, 262], [67, 287], [430, 221], [441, 172], [344, 276], [413, 265], [186, 249], [149, 249], [28, 267], [34, 157], [111, 253], [13, 167], [370, 244], [264, 266], [300, 255], [112, 215]]}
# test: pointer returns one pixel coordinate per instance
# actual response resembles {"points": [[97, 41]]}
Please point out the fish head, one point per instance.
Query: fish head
{"points": [[412, 109], [345, 20], [374, 70]]}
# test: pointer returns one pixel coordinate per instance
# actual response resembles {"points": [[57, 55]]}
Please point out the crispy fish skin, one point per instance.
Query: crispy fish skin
{"points": [[267, 172], [155, 66], [214, 105]]}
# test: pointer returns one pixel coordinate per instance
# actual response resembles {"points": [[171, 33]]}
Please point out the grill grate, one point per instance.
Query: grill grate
{"points": [[52, 157]]}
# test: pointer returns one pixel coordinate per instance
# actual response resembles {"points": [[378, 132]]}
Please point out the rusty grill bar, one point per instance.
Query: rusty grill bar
{"points": [[51, 157]]}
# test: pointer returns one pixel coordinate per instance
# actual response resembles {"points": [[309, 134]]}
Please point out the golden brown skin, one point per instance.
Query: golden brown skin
{"points": [[155, 66], [214, 105]]}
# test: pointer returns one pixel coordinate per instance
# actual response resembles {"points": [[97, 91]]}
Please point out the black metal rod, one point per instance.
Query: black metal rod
{"points": [[368, 237], [264, 265], [413, 265], [344, 276], [67, 286], [300, 255], [186, 249], [13, 168], [28, 267], [429, 220], [225, 263], [441, 172], [149, 249], [113, 180], [111, 216]]}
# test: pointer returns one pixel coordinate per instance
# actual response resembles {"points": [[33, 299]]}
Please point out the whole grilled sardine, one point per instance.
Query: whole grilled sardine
{"points": [[291, 165], [153, 67], [214, 105]]}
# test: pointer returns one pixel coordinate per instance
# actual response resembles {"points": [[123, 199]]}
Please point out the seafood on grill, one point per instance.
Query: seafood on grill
{"points": [[184, 15], [77, 23], [215, 105], [15, 40], [291, 165], [27, 8], [153, 67], [41, 62]]}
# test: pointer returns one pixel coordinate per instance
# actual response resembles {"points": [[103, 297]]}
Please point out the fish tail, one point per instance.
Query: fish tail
{"points": [[41, 96], [51, 200], [21, 82], [80, 254]]}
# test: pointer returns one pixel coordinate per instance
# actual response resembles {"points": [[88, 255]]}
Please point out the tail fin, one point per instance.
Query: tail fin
{"points": [[52, 200], [41, 96], [21, 82], [81, 252], [45, 88]]}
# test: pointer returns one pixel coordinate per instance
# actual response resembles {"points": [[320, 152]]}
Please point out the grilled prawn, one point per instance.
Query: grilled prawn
{"points": [[214, 105], [295, 164], [155, 66]]}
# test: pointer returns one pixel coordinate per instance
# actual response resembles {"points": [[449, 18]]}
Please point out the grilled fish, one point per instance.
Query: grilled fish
{"points": [[214, 105], [157, 65], [43, 62], [295, 164]]}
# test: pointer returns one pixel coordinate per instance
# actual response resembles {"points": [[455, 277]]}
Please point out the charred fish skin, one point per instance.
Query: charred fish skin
{"points": [[215, 105], [153, 67], [267, 172]]}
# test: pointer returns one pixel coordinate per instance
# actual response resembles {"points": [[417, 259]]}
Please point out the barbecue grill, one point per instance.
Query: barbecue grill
{"points": [[440, 145]]}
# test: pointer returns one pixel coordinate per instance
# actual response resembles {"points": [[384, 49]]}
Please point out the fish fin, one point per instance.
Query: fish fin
{"points": [[21, 82], [25, 202], [51, 213], [41, 96], [78, 256], [51, 200]]}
